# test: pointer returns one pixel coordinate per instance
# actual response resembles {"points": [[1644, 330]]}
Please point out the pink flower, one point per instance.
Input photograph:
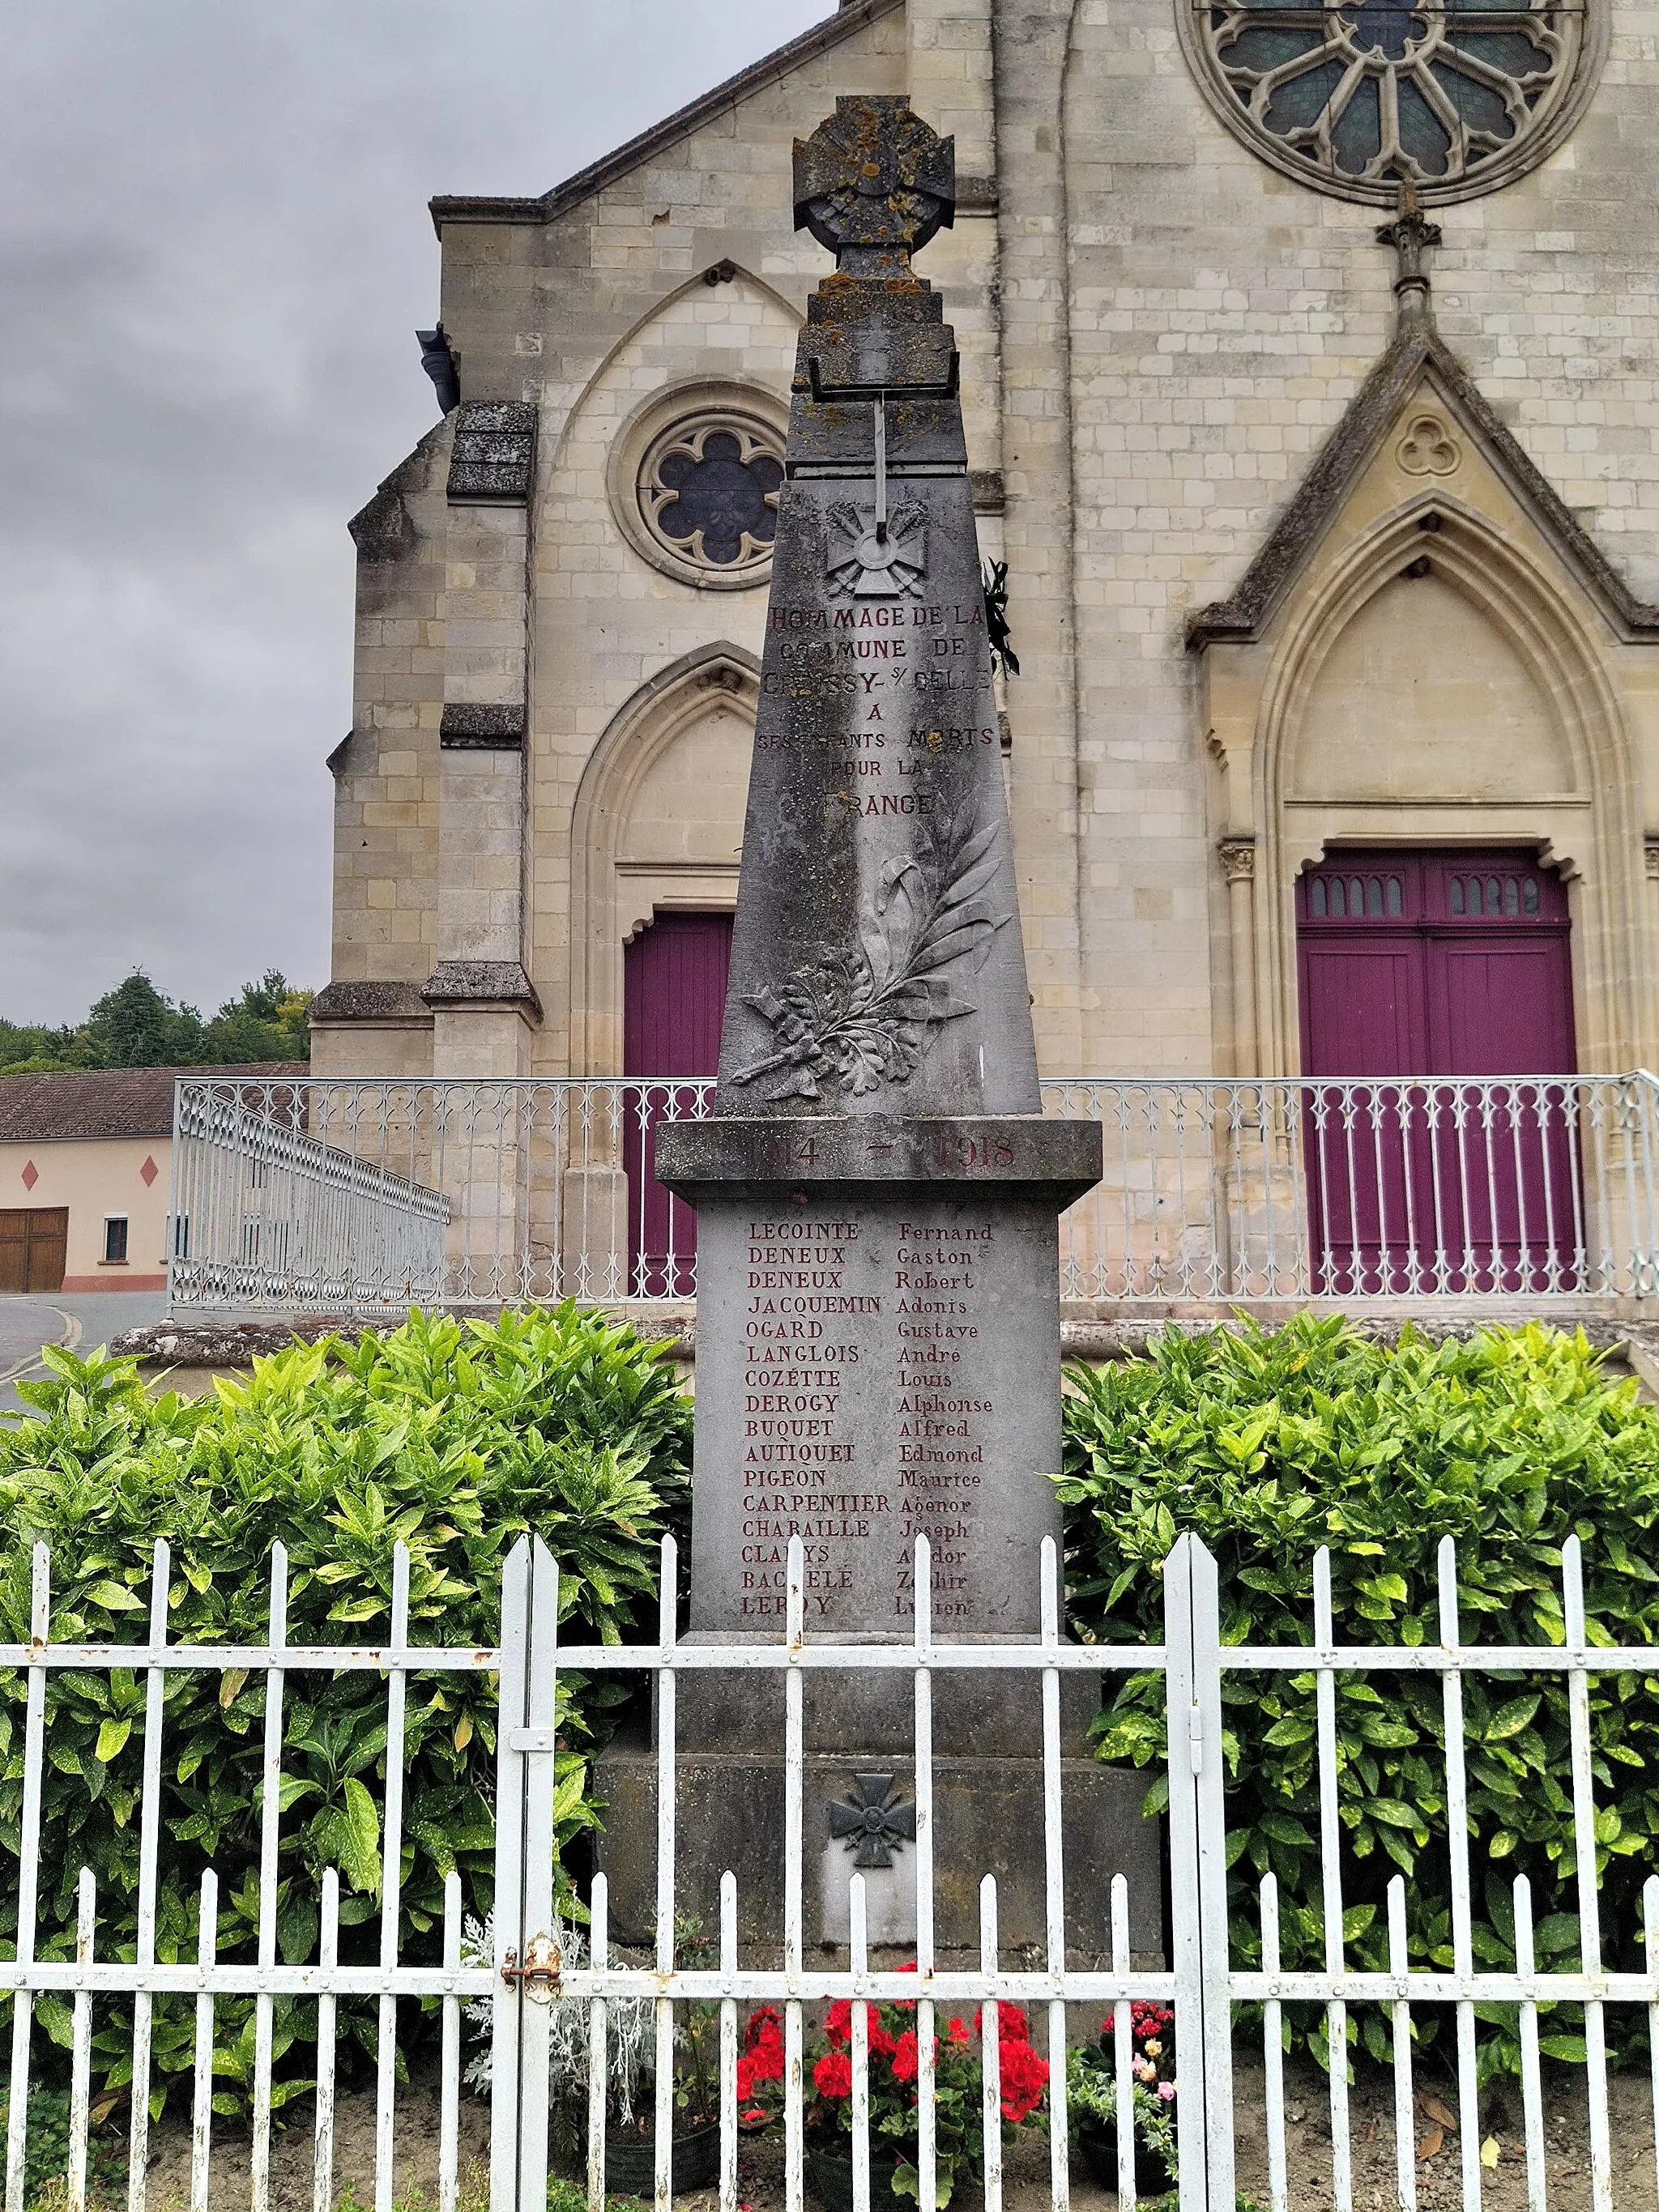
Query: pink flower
{"points": [[1166, 2090]]}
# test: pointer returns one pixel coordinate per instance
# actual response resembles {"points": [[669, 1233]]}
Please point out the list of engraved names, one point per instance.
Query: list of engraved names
{"points": [[889, 1308]]}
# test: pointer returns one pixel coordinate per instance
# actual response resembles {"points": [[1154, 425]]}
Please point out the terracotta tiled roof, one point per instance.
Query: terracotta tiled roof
{"points": [[106, 1102]]}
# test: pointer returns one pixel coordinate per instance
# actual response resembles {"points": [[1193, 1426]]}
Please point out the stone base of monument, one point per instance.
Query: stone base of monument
{"points": [[987, 1820], [878, 1362]]}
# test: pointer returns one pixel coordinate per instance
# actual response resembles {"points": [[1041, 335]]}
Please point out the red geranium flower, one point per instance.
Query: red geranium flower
{"points": [[1025, 2077], [763, 2053], [833, 2074], [838, 2020], [757, 2066], [906, 2057]]}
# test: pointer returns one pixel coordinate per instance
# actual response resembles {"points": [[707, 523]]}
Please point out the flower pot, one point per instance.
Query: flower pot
{"points": [[831, 2170], [1098, 2144], [630, 2163]]}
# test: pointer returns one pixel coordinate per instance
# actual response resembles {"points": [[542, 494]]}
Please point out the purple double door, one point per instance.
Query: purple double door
{"points": [[1438, 964], [674, 1001]]}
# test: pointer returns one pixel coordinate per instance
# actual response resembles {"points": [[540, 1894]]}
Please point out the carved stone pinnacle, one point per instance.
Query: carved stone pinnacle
{"points": [[1411, 234], [873, 183]]}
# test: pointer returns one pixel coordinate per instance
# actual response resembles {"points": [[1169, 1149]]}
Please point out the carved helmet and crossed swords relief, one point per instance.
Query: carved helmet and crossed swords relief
{"points": [[877, 556]]}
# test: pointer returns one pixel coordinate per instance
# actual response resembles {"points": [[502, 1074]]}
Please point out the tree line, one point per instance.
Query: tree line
{"points": [[135, 1025]]}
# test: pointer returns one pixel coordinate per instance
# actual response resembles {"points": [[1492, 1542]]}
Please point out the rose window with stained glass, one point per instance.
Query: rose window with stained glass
{"points": [[1451, 97], [708, 493]]}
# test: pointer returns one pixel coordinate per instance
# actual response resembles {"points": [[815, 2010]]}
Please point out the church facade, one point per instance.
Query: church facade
{"points": [[1310, 368]]}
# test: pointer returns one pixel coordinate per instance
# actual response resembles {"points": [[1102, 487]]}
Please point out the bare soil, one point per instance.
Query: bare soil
{"points": [[414, 2158], [1436, 2152]]}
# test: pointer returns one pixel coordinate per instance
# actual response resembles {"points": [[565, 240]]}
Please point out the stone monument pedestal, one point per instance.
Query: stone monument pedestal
{"points": [[878, 1359], [858, 1731], [987, 1820]]}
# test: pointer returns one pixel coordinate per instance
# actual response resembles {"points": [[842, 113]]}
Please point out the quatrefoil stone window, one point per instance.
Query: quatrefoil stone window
{"points": [[1452, 97], [708, 494]]}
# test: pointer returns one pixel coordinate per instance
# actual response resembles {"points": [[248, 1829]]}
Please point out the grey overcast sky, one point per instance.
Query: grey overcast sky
{"points": [[213, 253]]}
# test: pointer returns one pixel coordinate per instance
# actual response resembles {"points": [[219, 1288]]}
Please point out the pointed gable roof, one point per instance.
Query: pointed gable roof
{"points": [[854, 16], [1417, 348]]}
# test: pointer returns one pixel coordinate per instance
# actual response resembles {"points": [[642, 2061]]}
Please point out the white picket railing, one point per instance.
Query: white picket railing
{"points": [[362, 1197], [1200, 1981]]}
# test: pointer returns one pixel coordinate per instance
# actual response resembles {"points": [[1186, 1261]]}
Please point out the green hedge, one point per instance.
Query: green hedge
{"points": [[453, 1439], [1268, 1447]]}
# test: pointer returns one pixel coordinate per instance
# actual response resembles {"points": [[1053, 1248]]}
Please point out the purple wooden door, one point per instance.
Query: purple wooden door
{"points": [[673, 1000], [1443, 964]]}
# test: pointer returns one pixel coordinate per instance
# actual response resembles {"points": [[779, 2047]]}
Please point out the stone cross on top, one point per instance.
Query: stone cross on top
{"points": [[873, 183]]}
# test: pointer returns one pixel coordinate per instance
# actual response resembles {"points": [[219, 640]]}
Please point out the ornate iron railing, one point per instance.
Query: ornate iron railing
{"points": [[368, 1196]]}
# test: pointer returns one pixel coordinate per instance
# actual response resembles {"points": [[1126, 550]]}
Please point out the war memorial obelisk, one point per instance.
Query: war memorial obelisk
{"points": [[877, 1339]]}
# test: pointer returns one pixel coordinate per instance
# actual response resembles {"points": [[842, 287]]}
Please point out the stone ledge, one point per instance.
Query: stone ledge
{"points": [[493, 459], [370, 1002], [1084, 1335], [225, 1343], [984, 1151], [989, 492], [478, 728], [481, 983]]}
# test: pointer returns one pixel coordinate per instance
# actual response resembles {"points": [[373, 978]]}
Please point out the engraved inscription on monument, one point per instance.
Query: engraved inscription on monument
{"points": [[810, 1345], [888, 1311]]}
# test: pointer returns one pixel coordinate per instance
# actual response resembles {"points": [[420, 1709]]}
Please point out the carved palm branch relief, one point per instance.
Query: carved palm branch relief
{"points": [[865, 1014]]}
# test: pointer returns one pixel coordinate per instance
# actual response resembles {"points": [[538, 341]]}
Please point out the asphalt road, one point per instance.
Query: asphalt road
{"points": [[83, 1323]]}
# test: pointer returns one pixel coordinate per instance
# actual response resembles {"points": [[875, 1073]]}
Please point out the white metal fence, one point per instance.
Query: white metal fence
{"points": [[526, 1977], [267, 1211], [359, 1196]]}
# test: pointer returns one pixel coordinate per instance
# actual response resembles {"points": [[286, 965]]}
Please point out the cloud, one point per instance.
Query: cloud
{"points": [[214, 252]]}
